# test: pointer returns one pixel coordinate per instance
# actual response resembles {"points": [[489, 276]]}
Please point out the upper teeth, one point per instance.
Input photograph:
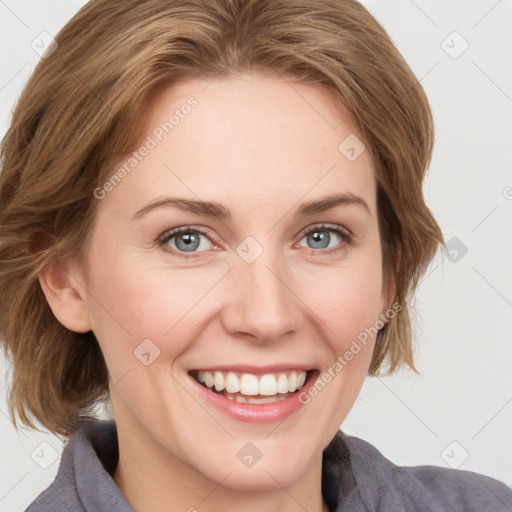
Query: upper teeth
{"points": [[250, 384]]}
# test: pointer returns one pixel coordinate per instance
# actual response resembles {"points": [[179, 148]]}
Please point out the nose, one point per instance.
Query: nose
{"points": [[262, 304]]}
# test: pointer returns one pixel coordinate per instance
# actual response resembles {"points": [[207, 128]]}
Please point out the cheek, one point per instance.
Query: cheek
{"points": [[349, 300], [134, 300]]}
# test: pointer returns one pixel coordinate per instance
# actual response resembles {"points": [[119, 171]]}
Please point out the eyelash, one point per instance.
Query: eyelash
{"points": [[344, 234]]}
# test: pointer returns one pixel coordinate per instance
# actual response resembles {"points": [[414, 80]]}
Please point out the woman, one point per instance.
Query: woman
{"points": [[212, 216]]}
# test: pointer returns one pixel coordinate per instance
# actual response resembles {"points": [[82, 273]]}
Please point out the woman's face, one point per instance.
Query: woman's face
{"points": [[247, 291]]}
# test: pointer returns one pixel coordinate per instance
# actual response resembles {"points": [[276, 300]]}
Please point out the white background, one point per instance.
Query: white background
{"points": [[464, 308]]}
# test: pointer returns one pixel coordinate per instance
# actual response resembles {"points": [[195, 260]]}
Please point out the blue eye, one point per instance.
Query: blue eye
{"points": [[321, 237], [186, 242]]}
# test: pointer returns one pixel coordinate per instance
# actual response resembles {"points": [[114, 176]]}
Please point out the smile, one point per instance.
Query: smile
{"points": [[262, 389]]}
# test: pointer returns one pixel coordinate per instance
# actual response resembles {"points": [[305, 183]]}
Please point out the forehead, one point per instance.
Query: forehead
{"points": [[248, 138]]}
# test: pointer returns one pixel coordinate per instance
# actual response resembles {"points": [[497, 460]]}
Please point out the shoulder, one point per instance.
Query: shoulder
{"points": [[54, 501], [84, 480], [466, 489], [425, 488], [61, 495]]}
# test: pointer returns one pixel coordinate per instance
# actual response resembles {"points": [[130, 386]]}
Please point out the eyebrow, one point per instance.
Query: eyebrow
{"points": [[214, 209]]}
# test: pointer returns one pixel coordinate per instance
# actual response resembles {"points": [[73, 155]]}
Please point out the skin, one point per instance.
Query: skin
{"points": [[259, 146]]}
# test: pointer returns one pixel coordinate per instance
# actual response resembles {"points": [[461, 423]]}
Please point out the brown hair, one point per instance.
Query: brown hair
{"points": [[82, 106]]}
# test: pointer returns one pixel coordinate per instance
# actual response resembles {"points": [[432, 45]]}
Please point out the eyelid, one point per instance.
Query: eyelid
{"points": [[324, 226], [184, 229]]}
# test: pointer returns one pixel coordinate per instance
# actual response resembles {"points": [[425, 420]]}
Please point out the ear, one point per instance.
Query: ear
{"points": [[66, 296]]}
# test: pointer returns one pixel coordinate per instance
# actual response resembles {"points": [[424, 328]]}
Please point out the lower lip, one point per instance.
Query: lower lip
{"points": [[255, 413]]}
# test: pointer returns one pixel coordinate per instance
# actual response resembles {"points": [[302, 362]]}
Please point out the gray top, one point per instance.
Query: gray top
{"points": [[355, 477]]}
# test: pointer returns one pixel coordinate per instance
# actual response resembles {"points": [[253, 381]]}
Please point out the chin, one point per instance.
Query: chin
{"points": [[273, 470]]}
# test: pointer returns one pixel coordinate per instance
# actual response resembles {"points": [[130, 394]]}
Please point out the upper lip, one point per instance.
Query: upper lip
{"points": [[256, 370]]}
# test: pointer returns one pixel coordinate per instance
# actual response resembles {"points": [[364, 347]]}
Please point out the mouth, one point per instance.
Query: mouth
{"points": [[254, 388]]}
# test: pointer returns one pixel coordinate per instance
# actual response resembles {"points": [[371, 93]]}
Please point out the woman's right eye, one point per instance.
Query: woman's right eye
{"points": [[181, 241]]}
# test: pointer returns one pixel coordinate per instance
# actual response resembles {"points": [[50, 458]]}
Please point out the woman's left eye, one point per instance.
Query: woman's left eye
{"points": [[186, 241], [321, 236]]}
